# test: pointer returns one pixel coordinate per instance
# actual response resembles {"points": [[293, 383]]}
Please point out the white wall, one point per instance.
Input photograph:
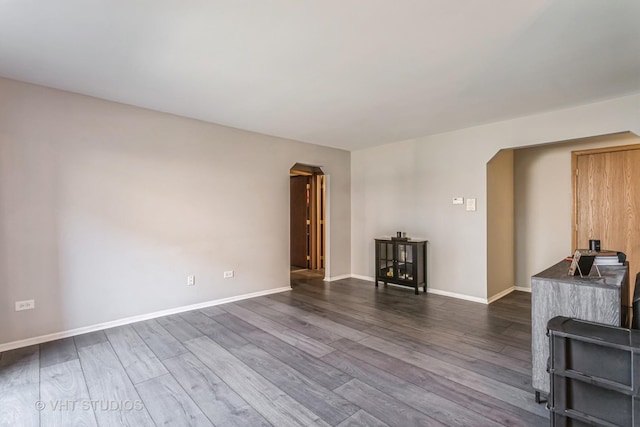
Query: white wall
{"points": [[106, 208], [543, 202], [409, 185]]}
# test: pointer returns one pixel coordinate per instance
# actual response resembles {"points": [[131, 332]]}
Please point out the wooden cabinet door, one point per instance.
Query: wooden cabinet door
{"points": [[607, 201]]}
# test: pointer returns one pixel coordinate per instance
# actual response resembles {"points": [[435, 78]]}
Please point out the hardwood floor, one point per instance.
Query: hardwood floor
{"points": [[338, 354]]}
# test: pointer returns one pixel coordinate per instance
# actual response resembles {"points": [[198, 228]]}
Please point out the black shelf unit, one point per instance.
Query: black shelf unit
{"points": [[594, 372], [401, 262]]}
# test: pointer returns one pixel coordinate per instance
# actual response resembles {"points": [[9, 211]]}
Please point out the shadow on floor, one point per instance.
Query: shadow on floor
{"points": [[305, 276]]}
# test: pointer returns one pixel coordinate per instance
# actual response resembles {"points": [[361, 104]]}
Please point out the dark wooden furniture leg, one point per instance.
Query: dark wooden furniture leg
{"points": [[540, 399]]}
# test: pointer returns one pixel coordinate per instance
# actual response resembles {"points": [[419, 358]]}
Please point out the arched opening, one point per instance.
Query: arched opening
{"points": [[530, 203]]}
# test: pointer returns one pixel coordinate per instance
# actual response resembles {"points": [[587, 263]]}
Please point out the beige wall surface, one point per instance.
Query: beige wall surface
{"points": [[544, 202], [409, 185], [500, 224], [105, 209]]}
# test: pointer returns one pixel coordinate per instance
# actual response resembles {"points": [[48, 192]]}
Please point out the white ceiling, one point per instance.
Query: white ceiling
{"points": [[342, 73]]}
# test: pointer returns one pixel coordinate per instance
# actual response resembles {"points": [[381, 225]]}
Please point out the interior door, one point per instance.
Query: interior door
{"points": [[607, 201], [299, 221]]}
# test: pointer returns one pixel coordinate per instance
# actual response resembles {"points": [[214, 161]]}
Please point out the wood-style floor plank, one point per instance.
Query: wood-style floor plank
{"points": [[17, 406], [439, 340], [138, 359], [64, 392], [322, 335], [234, 324], [337, 316], [352, 312], [322, 401], [325, 353], [517, 353], [159, 340], [179, 328], [271, 402], [20, 387], [319, 321], [437, 407], [421, 308], [469, 378], [58, 351], [498, 367], [90, 338], [384, 407], [312, 367], [168, 403], [213, 329], [19, 367], [362, 419], [109, 385], [291, 337], [490, 406], [216, 399], [212, 311]]}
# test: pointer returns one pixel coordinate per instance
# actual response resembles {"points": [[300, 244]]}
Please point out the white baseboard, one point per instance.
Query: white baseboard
{"points": [[79, 331], [429, 290], [499, 295], [453, 294], [334, 278], [456, 295], [367, 278]]}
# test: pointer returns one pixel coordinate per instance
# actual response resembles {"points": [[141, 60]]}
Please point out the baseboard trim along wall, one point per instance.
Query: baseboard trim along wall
{"points": [[500, 294], [334, 278], [430, 290], [358, 276], [456, 295], [79, 331]]}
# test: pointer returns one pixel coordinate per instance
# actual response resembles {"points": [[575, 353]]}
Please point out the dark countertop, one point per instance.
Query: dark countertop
{"points": [[612, 275]]}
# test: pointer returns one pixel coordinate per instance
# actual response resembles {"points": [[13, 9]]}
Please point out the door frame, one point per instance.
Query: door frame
{"points": [[314, 171], [574, 174]]}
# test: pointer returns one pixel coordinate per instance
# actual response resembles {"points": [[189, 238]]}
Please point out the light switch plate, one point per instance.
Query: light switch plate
{"points": [[471, 204], [458, 200]]}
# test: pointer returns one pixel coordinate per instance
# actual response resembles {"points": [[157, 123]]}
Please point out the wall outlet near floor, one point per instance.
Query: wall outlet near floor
{"points": [[191, 280], [228, 274], [25, 305]]}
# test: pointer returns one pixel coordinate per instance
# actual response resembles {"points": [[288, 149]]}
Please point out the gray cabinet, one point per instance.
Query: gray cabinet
{"points": [[555, 293]]}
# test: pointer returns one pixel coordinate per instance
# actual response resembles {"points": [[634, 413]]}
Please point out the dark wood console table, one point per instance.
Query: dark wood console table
{"points": [[402, 262]]}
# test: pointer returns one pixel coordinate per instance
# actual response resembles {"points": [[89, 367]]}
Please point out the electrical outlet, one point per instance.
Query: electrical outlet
{"points": [[191, 280], [25, 305], [228, 274]]}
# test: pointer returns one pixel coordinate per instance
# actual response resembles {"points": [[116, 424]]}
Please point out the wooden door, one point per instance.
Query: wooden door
{"points": [[607, 201], [299, 221]]}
